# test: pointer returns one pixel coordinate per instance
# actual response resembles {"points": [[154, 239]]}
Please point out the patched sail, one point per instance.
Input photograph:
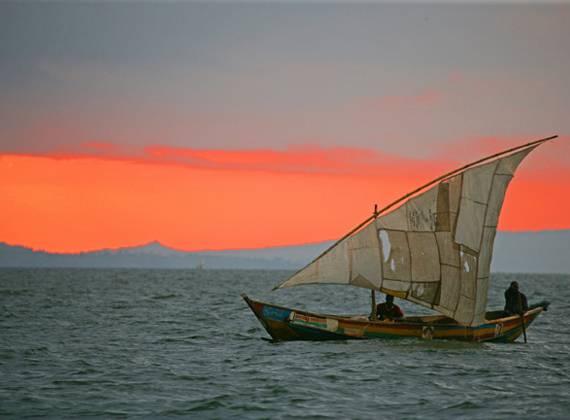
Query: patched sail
{"points": [[435, 249]]}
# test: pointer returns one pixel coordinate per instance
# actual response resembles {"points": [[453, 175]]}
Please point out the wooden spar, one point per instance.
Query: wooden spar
{"points": [[523, 327], [522, 316], [373, 313], [462, 169], [408, 195]]}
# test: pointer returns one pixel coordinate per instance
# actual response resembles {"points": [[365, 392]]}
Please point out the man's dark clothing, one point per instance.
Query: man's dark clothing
{"points": [[389, 311], [513, 301]]}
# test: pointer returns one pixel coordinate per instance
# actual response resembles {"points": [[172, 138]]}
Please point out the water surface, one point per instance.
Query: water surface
{"points": [[182, 342]]}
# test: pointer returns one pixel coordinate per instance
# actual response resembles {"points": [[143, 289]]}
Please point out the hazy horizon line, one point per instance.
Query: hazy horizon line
{"points": [[294, 245]]}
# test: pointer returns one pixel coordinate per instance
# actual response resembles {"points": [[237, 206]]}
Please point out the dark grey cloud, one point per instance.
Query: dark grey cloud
{"points": [[297, 69]]}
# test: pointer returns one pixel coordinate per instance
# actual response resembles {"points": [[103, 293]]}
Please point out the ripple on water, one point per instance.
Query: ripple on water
{"points": [[117, 343], [165, 296], [210, 403]]}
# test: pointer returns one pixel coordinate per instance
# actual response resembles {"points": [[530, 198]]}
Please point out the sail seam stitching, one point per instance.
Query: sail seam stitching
{"points": [[497, 163], [460, 246]]}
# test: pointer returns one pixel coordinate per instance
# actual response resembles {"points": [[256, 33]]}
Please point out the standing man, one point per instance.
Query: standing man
{"points": [[515, 301]]}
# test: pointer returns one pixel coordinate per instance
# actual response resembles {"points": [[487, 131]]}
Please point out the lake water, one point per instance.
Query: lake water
{"points": [[151, 343]]}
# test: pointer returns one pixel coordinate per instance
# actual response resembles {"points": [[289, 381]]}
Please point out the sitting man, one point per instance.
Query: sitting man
{"points": [[388, 310], [515, 301]]}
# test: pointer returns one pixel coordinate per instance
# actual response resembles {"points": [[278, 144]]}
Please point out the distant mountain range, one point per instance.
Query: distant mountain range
{"points": [[528, 252], [156, 255]]}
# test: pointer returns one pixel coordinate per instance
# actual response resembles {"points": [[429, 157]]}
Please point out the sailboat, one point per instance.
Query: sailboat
{"points": [[432, 247]]}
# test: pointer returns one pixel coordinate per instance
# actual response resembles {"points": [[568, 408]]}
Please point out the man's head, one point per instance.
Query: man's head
{"points": [[515, 285], [389, 299]]}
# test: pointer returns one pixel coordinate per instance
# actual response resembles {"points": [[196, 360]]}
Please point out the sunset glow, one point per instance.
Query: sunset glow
{"points": [[204, 199], [217, 126]]}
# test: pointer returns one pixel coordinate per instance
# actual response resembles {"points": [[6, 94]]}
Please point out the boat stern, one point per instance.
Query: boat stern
{"points": [[508, 329]]}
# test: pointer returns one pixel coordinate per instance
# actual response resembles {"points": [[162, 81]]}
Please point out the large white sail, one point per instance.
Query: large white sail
{"points": [[434, 250]]}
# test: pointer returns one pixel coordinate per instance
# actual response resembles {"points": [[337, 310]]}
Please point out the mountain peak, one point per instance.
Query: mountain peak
{"points": [[154, 247]]}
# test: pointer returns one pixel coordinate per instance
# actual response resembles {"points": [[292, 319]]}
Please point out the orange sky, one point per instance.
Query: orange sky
{"points": [[193, 200]]}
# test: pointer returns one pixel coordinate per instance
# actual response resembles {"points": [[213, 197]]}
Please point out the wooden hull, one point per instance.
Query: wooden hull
{"points": [[290, 324]]}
